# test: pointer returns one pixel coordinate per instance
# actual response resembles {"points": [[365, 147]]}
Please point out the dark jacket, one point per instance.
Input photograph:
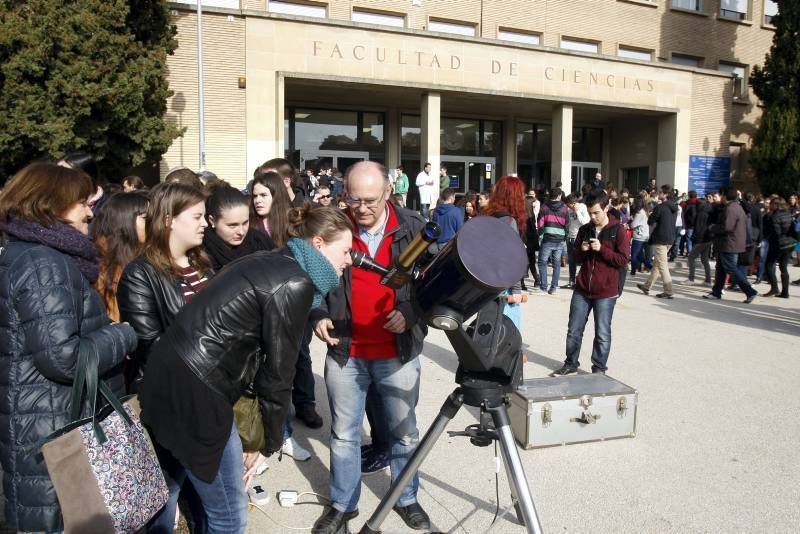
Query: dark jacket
{"points": [[48, 310], [258, 304], [450, 218], [663, 217], [149, 301], [690, 213], [336, 306], [599, 276], [777, 224], [701, 222], [732, 230]]}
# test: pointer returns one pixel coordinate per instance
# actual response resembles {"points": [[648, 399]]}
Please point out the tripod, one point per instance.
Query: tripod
{"points": [[491, 398]]}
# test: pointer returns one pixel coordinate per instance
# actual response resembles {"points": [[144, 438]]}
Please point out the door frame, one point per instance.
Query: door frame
{"points": [[306, 154], [583, 165], [466, 160]]}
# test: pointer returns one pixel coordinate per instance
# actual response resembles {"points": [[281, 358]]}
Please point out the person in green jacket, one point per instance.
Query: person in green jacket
{"points": [[401, 183], [444, 179]]}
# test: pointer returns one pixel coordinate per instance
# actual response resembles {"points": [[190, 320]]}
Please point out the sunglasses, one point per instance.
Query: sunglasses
{"points": [[324, 196]]}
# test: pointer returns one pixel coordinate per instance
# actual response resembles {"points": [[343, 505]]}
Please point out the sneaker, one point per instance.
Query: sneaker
{"points": [[291, 448], [643, 289], [374, 462], [665, 296], [751, 298], [570, 285], [538, 291], [690, 282], [564, 371], [711, 296], [551, 291]]}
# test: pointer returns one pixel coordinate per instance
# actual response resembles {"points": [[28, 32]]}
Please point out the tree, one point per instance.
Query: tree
{"points": [[776, 146], [88, 75]]}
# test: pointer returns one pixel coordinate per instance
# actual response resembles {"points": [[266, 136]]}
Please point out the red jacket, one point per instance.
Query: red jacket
{"points": [[599, 276]]}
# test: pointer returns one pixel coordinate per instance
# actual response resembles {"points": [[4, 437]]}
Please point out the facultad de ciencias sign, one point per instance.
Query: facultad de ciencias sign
{"points": [[432, 60]]}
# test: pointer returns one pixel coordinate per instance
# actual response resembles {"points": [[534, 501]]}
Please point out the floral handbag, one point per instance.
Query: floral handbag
{"points": [[103, 467]]}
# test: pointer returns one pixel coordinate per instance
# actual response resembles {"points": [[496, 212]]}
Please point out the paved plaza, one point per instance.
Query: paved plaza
{"points": [[717, 429]]}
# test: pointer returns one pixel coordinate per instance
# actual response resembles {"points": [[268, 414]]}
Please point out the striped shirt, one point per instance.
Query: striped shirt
{"points": [[191, 282]]}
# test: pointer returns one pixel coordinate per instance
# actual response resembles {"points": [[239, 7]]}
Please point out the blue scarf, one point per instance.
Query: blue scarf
{"points": [[316, 266]]}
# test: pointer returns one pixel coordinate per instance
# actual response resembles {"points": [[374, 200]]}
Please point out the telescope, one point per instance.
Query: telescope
{"points": [[466, 279]]}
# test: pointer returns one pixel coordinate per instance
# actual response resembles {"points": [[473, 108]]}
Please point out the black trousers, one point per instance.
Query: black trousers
{"points": [[303, 390], [781, 257]]}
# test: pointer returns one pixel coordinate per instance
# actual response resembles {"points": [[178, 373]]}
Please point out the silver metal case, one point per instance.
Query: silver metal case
{"points": [[545, 412]]}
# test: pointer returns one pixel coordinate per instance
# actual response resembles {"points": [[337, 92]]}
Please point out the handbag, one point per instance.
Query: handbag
{"points": [[103, 467], [247, 414]]}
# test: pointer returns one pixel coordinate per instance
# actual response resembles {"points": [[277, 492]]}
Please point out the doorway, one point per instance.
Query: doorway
{"points": [[583, 173], [337, 159], [469, 173]]}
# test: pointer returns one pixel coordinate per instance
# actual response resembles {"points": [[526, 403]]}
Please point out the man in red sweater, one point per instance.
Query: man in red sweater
{"points": [[373, 338], [603, 248]]}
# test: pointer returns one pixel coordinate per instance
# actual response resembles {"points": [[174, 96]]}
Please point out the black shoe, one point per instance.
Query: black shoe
{"points": [[571, 285], [414, 516], [564, 371], [751, 298], [664, 296], [551, 291], [598, 372], [333, 521], [782, 296], [643, 289], [309, 417], [796, 282], [771, 293]]}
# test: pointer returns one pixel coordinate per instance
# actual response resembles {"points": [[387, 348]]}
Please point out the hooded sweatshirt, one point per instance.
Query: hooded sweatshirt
{"points": [[450, 218], [663, 217], [553, 221]]}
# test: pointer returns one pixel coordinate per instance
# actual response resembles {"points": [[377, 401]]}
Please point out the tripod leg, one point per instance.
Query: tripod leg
{"points": [[446, 413], [516, 474]]}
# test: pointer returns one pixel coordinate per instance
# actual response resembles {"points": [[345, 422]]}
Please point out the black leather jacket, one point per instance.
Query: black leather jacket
{"points": [[337, 304], [258, 303], [148, 301]]}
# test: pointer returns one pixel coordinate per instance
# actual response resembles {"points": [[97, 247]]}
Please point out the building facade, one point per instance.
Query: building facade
{"points": [[551, 90]]}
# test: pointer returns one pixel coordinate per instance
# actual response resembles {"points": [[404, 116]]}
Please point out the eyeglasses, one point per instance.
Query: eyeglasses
{"points": [[324, 196], [370, 203]]}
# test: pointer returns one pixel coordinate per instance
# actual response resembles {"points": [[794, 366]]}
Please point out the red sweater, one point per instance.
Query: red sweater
{"points": [[371, 302], [599, 276]]}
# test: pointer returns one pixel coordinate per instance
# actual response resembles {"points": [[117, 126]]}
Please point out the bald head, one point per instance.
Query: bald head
{"points": [[367, 187], [366, 171]]}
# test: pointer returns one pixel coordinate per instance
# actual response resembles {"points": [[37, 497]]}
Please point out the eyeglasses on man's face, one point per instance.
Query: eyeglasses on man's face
{"points": [[370, 203]]}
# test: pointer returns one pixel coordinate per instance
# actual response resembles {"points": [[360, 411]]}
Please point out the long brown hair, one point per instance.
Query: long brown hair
{"points": [[168, 200], [278, 218], [42, 193], [114, 233]]}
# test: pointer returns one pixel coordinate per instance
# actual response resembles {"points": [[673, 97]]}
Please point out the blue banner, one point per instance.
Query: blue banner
{"points": [[708, 174]]}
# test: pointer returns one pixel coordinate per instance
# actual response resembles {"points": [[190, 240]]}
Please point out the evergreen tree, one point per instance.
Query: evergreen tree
{"points": [[776, 146], [84, 75]]}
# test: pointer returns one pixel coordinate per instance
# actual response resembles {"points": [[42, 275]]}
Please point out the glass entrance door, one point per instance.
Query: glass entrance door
{"points": [[470, 173], [583, 173], [338, 159]]}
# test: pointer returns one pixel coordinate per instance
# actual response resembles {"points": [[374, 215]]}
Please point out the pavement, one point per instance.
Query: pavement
{"points": [[716, 441]]}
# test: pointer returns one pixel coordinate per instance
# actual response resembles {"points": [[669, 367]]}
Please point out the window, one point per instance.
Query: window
{"points": [[459, 28], [692, 5], [770, 10], [230, 4], [580, 46], [292, 8], [385, 19], [733, 9], [688, 61], [635, 179], [635, 53], [518, 37], [534, 154], [739, 78]]}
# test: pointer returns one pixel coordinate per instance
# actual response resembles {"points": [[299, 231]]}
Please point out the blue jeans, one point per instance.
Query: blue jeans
{"points": [[579, 309], [181, 492], [573, 267], [638, 256], [762, 261], [224, 499], [424, 210], [551, 250], [397, 386], [728, 263], [689, 240]]}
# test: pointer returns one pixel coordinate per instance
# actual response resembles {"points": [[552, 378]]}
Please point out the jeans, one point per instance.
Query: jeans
{"points": [[378, 432], [224, 499], [551, 250], [638, 257], [303, 390], [689, 240], [762, 260], [397, 386], [660, 267], [603, 310], [423, 209], [676, 245], [704, 251], [728, 264], [573, 267], [781, 257], [180, 491]]}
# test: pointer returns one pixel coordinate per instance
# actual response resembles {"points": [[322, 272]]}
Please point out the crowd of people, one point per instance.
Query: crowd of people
{"points": [[202, 295]]}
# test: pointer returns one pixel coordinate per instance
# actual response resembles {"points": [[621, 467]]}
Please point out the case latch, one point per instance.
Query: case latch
{"points": [[622, 406], [547, 414]]}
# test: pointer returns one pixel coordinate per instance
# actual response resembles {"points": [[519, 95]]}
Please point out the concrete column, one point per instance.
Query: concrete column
{"points": [[430, 122], [391, 138], [606, 168], [509, 147], [562, 147], [672, 167], [280, 111]]}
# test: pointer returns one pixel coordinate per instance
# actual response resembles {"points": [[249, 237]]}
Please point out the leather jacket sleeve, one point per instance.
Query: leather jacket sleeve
{"points": [[138, 307], [285, 315]]}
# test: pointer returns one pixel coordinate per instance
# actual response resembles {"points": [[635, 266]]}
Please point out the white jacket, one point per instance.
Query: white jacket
{"points": [[427, 188], [577, 218]]}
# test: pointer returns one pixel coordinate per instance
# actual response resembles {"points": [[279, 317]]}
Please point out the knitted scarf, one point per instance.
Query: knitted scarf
{"points": [[222, 253], [62, 237], [316, 266]]}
